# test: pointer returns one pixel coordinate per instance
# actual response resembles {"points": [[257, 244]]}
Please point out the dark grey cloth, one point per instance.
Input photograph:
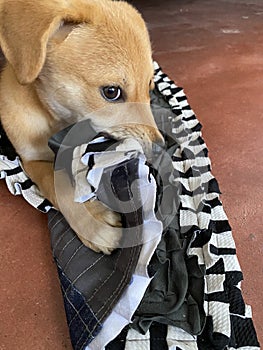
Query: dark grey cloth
{"points": [[176, 294]]}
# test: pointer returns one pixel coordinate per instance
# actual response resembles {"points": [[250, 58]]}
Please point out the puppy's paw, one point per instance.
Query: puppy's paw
{"points": [[104, 231], [98, 227]]}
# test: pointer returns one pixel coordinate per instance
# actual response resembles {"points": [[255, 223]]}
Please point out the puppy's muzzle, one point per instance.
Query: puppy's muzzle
{"points": [[131, 120], [149, 137]]}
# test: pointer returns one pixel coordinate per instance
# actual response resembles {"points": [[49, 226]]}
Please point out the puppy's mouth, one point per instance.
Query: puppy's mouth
{"points": [[130, 120], [150, 138]]}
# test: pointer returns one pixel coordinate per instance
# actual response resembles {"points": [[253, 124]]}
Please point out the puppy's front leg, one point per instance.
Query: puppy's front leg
{"points": [[97, 226], [42, 174]]}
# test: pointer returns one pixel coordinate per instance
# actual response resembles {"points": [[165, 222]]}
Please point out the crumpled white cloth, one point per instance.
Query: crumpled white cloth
{"points": [[86, 181]]}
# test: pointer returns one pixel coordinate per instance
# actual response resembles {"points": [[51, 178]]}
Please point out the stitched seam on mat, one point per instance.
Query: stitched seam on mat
{"points": [[117, 294], [81, 319], [57, 222], [65, 246], [102, 284], [50, 224], [118, 290], [76, 314], [87, 269], [60, 239], [73, 255]]}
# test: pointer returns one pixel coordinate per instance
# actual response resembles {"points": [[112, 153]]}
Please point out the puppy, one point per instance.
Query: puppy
{"points": [[66, 59]]}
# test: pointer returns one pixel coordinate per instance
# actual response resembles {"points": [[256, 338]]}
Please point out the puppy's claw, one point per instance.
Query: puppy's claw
{"points": [[97, 248], [111, 218]]}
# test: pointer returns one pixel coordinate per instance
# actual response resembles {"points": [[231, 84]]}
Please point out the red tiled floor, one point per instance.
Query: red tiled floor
{"points": [[31, 312], [214, 50]]}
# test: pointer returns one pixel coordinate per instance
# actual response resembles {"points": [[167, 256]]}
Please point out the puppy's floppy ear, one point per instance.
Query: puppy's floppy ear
{"points": [[26, 26]]}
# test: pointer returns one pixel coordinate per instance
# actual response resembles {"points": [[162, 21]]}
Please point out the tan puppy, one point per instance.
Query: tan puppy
{"points": [[65, 59]]}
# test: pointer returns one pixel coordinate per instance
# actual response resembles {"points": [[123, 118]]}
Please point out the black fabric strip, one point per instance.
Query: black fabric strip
{"points": [[100, 146], [214, 202], [233, 278], [91, 162], [176, 159], [175, 90], [219, 226], [222, 251], [202, 237], [243, 333], [156, 71], [203, 207], [184, 192], [14, 171], [44, 206], [213, 186], [162, 76], [217, 269], [181, 98], [119, 342], [210, 340], [177, 110], [6, 148], [217, 296], [26, 184], [237, 304], [198, 127], [186, 108], [158, 334], [193, 117]]}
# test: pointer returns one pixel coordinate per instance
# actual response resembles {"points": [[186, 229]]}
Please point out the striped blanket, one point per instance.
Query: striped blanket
{"points": [[109, 315]]}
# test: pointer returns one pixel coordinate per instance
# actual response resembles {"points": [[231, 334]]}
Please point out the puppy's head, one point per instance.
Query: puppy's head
{"points": [[82, 56]]}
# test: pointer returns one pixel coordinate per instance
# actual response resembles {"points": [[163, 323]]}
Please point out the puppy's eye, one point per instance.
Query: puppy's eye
{"points": [[111, 93]]}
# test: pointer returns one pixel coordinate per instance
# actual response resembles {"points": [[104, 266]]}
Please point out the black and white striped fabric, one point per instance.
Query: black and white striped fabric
{"points": [[16, 180], [229, 322]]}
